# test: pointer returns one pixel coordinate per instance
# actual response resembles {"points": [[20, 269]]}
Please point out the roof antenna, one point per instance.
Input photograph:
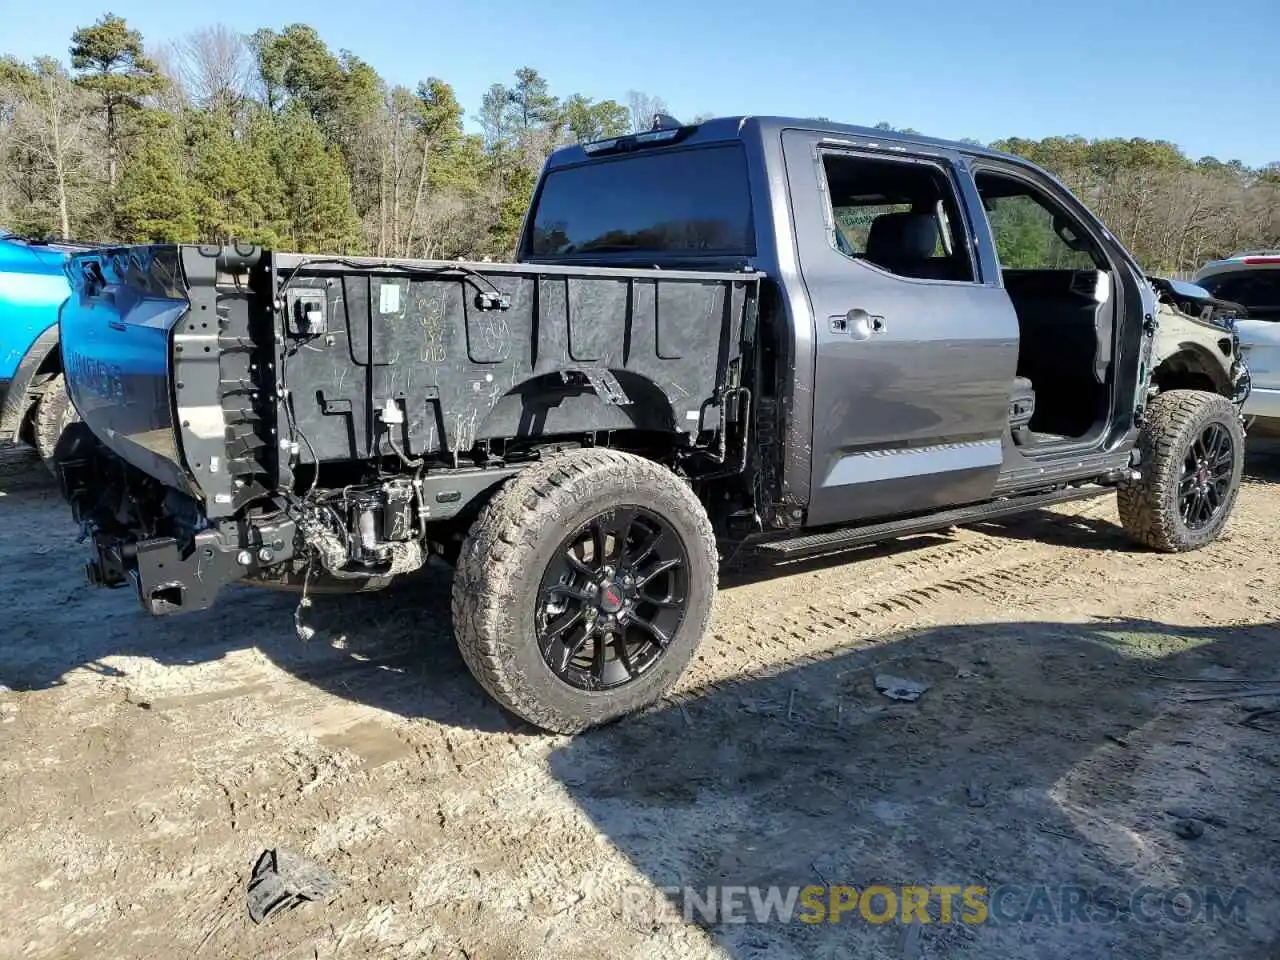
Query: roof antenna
{"points": [[664, 121]]}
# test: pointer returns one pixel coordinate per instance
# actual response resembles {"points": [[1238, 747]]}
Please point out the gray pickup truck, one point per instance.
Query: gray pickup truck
{"points": [[781, 335]]}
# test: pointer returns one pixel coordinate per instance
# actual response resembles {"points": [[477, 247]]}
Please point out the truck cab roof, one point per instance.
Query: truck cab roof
{"points": [[710, 195], [763, 127]]}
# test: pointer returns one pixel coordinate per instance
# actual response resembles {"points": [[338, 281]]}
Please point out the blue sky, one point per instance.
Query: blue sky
{"points": [[1205, 76]]}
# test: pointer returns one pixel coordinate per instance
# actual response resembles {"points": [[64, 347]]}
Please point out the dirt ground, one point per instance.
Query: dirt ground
{"points": [[145, 763]]}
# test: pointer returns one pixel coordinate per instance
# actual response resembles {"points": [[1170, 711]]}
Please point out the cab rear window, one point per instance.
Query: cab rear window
{"points": [[690, 202]]}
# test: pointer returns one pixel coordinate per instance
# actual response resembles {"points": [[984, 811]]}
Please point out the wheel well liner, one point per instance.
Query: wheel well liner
{"points": [[544, 405], [1192, 367]]}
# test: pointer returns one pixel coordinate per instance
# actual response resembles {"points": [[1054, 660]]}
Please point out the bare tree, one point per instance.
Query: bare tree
{"points": [[643, 107], [47, 124], [217, 67], [174, 95]]}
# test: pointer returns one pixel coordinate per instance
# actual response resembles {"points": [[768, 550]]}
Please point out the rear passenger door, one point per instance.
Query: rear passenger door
{"points": [[916, 349]]}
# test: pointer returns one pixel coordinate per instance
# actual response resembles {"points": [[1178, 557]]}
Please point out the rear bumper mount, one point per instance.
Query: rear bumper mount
{"points": [[172, 577]]}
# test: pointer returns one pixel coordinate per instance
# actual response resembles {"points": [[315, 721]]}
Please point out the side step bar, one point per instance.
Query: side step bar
{"points": [[795, 547]]}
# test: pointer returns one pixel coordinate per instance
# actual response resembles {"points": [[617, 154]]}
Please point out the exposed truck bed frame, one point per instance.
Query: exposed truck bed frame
{"points": [[245, 379]]}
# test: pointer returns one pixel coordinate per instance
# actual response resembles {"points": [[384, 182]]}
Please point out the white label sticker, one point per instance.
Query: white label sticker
{"points": [[389, 298]]}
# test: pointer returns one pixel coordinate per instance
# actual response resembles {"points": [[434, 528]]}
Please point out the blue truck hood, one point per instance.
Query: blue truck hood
{"points": [[32, 288]]}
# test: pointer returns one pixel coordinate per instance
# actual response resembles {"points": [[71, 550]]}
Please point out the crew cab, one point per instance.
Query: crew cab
{"points": [[784, 336]]}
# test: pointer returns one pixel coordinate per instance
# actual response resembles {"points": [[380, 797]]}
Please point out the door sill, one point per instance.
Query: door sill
{"points": [[1050, 449]]}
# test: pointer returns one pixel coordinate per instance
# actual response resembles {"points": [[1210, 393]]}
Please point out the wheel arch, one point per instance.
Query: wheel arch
{"points": [[1192, 366], [545, 406], [42, 360]]}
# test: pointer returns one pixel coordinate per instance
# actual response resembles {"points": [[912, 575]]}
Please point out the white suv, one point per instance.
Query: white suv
{"points": [[1253, 281]]}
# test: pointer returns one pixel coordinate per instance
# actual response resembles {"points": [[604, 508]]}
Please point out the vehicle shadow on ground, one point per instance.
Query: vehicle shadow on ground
{"points": [[1041, 753], [393, 650], [1061, 530], [746, 566], [1262, 459]]}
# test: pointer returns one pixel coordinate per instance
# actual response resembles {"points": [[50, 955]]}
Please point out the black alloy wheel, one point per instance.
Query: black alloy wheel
{"points": [[1206, 476], [573, 605], [612, 598]]}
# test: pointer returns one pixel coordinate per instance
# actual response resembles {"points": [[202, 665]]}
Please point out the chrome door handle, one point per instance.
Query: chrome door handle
{"points": [[858, 323]]}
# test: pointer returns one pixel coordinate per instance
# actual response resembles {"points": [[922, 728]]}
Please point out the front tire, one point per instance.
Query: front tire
{"points": [[584, 588], [1192, 460]]}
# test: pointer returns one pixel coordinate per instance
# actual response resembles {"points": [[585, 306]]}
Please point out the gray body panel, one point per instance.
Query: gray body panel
{"points": [[956, 462], [911, 391]]}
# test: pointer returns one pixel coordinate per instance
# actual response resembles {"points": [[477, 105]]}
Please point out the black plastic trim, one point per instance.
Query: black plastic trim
{"points": [[857, 536]]}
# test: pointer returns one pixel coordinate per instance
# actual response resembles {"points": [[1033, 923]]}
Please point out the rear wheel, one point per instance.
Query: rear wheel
{"points": [[584, 588], [1192, 460], [53, 414]]}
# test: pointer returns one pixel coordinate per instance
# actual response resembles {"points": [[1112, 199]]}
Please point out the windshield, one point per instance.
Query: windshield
{"points": [[692, 202], [1258, 291]]}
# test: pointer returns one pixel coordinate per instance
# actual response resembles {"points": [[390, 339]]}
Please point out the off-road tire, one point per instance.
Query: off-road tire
{"points": [[497, 577], [1149, 508], [53, 414]]}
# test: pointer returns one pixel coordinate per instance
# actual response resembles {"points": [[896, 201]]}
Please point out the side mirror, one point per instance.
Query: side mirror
{"points": [[1067, 234]]}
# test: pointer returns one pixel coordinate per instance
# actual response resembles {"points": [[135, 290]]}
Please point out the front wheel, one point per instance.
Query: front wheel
{"points": [[584, 588], [1192, 460]]}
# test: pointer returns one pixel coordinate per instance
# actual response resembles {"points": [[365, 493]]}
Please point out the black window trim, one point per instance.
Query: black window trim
{"points": [[1035, 196], [525, 252], [941, 164], [1113, 252]]}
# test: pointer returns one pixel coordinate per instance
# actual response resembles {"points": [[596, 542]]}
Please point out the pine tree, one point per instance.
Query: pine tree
{"points": [[511, 210], [588, 120], [153, 201], [111, 64], [238, 193], [317, 192], [534, 108]]}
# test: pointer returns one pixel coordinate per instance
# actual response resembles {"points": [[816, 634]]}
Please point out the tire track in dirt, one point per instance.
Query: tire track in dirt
{"points": [[977, 576], [769, 625], [413, 786]]}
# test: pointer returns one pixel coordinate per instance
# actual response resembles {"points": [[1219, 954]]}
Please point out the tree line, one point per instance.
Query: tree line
{"points": [[275, 138]]}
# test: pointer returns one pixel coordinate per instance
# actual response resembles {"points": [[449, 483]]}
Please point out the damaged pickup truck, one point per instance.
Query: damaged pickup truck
{"points": [[787, 336]]}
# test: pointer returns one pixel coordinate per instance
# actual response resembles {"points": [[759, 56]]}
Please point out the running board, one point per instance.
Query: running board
{"points": [[794, 547]]}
